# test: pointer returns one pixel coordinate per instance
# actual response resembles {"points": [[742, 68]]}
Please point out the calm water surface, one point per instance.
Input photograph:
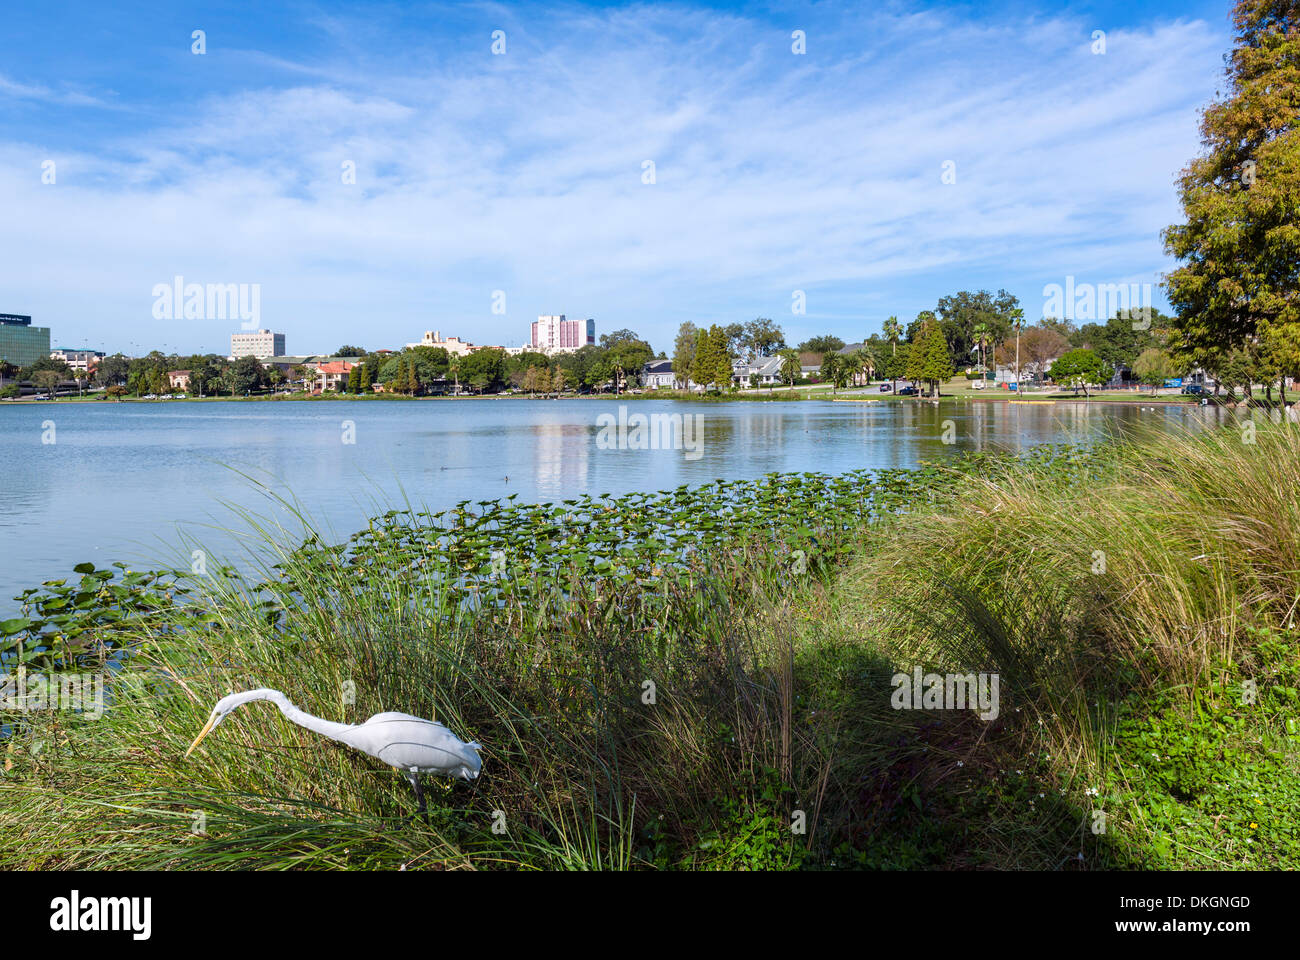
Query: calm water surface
{"points": [[130, 481]]}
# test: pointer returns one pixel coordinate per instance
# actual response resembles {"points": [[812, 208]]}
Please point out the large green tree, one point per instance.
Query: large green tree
{"points": [[712, 362], [112, 370], [826, 343], [896, 363], [834, 369], [484, 369], [961, 313], [1152, 367], [684, 352], [1080, 368], [930, 360], [762, 338], [245, 375], [628, 356], [1239, 281]]}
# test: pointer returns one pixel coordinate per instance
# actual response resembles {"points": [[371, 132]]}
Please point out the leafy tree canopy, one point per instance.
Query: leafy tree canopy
{"points": [[1079, 369], [1239, 282], [826, 343]]}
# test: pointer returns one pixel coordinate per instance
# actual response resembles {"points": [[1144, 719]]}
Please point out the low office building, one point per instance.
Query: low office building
{"points": [[21, 344], [83, 361]]}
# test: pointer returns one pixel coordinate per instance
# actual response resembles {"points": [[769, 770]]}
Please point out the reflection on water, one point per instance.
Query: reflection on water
{"points": [[122, 480]]}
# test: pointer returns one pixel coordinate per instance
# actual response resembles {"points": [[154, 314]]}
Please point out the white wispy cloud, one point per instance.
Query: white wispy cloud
{"points": [[38, 92], [523, 173]]}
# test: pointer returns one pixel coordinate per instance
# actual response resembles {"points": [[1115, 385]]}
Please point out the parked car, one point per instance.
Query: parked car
{"points": [[886, 387], [977, 384], [907, 392], [1193, 388]]}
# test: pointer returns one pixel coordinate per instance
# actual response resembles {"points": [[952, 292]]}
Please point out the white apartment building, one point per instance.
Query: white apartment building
{"points": [[552, 333], [262, 344]]}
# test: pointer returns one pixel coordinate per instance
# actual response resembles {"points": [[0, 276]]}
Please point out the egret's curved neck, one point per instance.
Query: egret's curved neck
{"points": [[326, 728]]}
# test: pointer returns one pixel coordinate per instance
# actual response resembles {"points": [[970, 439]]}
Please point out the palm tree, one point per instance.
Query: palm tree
{"points": [[893, 332], [1017, 321], [453, 367], [833, 369], [867, 363], [790, 368]]}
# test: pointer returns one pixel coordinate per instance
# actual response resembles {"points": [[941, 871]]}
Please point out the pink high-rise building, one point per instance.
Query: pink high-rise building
{"points": [[555, 334]]}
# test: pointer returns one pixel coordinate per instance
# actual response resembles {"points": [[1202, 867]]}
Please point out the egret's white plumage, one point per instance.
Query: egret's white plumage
{"points": [[412, 745]]}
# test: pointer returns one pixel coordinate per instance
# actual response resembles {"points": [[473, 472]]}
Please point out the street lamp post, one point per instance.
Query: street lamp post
{"points": [[1018, 321]]}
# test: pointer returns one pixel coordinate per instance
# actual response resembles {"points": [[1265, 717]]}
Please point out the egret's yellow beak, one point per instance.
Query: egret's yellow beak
{"points": [[202, 733]]}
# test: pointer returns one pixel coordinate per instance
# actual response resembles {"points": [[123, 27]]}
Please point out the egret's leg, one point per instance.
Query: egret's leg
{"points": [[423, 808]]}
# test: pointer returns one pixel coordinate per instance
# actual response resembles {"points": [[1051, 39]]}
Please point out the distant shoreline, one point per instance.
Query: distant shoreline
{"points": [[782, 394]]}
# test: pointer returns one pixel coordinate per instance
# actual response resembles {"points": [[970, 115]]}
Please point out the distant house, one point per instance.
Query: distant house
{"points": [[657, 374], [179, 379], [332, 375], [764, 371], [810, 363]]}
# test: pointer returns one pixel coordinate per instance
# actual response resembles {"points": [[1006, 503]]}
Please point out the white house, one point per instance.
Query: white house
{"points": [[657, 374], [767, 370]]}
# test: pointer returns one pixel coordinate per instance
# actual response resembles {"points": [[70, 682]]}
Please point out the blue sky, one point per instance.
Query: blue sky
{"points": [[523, 172]]}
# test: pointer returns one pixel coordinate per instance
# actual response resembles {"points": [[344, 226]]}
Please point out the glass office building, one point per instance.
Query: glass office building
{"points": [[20, 343]]}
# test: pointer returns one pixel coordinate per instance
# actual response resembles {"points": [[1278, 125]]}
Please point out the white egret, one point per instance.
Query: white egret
{"points": [[411, 745]]}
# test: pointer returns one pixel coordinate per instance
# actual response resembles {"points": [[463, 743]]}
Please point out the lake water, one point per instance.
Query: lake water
{"points": [[123, 481]]}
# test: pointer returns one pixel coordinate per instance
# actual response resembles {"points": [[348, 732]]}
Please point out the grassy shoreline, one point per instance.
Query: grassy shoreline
{"points": [[769, 617]]}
